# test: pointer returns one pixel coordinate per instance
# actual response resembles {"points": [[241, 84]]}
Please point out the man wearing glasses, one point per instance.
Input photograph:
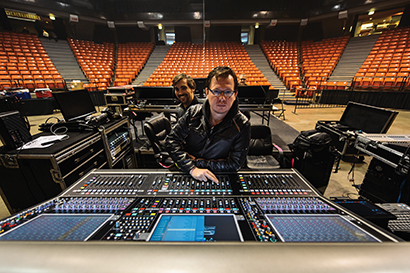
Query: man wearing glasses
{"points": [[213, 136]]}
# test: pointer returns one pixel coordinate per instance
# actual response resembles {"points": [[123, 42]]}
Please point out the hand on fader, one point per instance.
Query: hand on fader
{"points": [[203, 175]]}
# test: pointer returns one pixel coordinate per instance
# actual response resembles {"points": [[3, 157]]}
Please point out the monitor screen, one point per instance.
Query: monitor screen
{"points": [[65, 227], [200, 87], [252, 94], [159, 95], [75, 105], [366, 118], [196, 228]]}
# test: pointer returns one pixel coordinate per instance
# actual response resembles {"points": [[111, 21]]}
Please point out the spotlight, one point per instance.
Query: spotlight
{"points": [[257, 25], [159, 26], [371, 12], [51, 16]]}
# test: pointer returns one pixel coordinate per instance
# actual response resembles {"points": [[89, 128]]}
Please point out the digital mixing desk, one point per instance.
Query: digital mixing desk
{"points": [[163, 210]]}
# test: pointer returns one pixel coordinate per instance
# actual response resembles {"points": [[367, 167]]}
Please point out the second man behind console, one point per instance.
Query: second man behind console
{"points": [[184, 87]]}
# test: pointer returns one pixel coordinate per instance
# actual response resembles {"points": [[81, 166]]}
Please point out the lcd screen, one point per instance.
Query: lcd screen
{"points": [[75, 105], [256, 94], [196, 228]]}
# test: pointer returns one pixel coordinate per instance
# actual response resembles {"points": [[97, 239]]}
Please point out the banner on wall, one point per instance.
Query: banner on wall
{"points": [[22, 15], [73, 18]]}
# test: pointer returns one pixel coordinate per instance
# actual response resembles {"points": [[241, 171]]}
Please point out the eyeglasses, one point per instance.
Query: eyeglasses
{"points": [[227, 93]]}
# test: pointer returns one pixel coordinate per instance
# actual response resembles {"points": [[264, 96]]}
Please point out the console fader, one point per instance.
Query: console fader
{"points": [[150, 184], [159, 205]]}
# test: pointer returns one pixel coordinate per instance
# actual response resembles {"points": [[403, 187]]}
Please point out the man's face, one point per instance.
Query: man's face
{"points": [[183, 92], [242, 79], [222, 103]]}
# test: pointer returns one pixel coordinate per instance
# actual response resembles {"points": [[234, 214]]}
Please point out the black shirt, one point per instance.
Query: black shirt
{"points": [[181, 109]]}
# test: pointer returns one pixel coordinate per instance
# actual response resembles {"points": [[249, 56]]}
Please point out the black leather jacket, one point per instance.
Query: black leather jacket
{"points": [[222, 148], [181, 109]]}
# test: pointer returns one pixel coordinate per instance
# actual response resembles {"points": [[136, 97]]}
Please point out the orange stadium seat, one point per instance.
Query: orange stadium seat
{"points": [[377, 83]]}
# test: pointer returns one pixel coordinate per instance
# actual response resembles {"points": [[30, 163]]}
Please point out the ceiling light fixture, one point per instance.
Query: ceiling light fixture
{"points": [[257, 25], [159, 26]]}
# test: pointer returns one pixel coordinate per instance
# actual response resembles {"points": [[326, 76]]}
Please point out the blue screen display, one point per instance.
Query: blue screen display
{"points": [[183, 228], [196, 228]]}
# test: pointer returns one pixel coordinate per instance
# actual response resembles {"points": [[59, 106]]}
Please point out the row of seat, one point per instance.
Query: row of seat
{"points": [[25, 63], [318, 59], [197, 60], [131, 59], [390, 58], [96, 60], [381, 83], [388, 63], [283, 58]]}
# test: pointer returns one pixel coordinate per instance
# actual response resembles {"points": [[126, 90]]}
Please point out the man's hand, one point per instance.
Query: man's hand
{"points": [[203, 175]]}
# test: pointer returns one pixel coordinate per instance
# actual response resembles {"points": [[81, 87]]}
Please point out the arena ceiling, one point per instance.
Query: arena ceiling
{"points": [[232, 11]]}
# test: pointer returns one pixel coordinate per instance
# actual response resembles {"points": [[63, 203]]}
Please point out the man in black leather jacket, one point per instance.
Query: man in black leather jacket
{"points": [[213, 136]]}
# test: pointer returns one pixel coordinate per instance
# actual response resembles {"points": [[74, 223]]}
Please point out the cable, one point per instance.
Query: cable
{"points": [[351, 171], [58, 120], [348, 195]]}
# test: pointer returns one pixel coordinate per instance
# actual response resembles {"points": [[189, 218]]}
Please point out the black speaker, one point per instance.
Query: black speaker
{"points": [[316, 167], [13, 130]]}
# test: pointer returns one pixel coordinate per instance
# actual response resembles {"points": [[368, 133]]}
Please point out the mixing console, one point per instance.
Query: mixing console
{"points": [[86, 204], [271, 183], [290, 205], [147, 205], [165, 184], [117, 141], [157, 184]]}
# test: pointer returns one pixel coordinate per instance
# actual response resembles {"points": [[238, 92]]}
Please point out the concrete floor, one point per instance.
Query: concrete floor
{"points": [[340, 184]]}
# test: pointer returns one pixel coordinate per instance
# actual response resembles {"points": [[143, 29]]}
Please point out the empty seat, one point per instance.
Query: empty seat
{"points": [[157, 129], [261, 149]]}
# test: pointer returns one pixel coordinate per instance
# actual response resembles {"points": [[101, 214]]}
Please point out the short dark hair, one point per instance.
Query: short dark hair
{"points": [[190, 81], [224, 72]]}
